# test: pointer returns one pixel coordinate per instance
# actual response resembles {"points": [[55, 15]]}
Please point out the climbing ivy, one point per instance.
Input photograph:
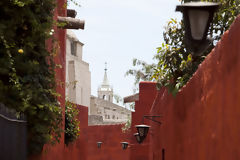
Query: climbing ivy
{"points": [[27, 81], [71, 122]]}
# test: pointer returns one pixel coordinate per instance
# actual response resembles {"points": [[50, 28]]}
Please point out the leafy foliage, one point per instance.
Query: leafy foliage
{"points": [[71, 122], [175, 64], [27, 74], [75, 2], [117, 98], [127, 126], [144, 72]]}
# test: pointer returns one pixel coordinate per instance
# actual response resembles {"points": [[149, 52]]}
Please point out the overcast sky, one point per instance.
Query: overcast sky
{"points": [[116, 31]]}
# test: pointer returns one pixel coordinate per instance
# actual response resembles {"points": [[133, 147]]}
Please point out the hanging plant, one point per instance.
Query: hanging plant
{"points": [[71, 122]]}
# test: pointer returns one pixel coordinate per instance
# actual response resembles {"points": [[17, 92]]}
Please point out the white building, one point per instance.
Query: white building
{"points": [[78, 76], [102, 108]]}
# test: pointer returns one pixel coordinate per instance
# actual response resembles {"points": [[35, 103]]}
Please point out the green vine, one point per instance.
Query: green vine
{"points": [[71, 122], [75, 2], [127, 126], [27, 74]]}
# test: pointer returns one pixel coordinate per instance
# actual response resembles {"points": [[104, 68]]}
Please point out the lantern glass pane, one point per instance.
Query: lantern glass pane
{"points": [[141, 131], [138, 138], [198, 23]]}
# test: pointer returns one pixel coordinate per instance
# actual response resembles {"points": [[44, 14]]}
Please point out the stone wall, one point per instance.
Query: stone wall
{"points": [[95, 119]]}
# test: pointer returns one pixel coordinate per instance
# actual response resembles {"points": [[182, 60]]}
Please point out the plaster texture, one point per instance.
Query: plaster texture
{"points": [[78, 76]]}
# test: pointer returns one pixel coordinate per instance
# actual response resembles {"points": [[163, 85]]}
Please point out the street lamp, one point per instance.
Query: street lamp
{"points": [[124, 145], [142, 130], [99, 144], [197, 17], [138, 138]]}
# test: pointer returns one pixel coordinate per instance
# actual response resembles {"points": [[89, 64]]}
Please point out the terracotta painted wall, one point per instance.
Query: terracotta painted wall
{"points": [[60, 59], [203, 121], [79, 149], [147, 94], [111, 149], [75, 151]]}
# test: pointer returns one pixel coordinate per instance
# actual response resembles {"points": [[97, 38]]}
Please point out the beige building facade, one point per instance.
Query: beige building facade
{"points": [[78, 76]]}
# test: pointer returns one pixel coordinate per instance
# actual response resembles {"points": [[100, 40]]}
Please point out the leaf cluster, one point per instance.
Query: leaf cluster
{"points": [[75, 2], [144, 71], [127, 126], [27, 73], [72, 122]]}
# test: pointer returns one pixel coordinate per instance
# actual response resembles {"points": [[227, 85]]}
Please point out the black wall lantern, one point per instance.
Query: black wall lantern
{"points": [[197, 17], [124, 145], [99, 144], [138, 138], [143, 129]]}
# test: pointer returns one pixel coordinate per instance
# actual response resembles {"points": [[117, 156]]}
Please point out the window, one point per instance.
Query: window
{"points": [[74, 48]]}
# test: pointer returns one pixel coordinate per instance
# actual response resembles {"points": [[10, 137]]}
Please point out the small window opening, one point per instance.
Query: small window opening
{"points": [[74, 48]]}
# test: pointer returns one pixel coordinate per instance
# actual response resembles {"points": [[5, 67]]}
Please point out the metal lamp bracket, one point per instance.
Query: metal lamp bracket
{"points": [[152, 118]]}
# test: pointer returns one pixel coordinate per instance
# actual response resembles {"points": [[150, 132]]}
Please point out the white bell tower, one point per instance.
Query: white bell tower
{"points": [[105, 91]]}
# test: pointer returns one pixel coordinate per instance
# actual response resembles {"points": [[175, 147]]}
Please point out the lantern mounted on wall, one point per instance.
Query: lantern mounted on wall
{"points": [[197, 17], [99, 144], [124, 145], [143, 129], [138, 138]]}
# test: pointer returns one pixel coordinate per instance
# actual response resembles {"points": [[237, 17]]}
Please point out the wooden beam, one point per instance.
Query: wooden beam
{"points": [[70, 23], [71, 13], [131, 98]]}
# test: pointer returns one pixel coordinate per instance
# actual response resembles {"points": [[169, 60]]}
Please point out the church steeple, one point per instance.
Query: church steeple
{"points": [[105, 91], [105, 79]]}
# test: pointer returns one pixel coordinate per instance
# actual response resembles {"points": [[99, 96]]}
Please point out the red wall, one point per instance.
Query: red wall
{"points": [[75, 151], [79, 149], [147, 94], [111, 149], [60, 59], [202, 121]]}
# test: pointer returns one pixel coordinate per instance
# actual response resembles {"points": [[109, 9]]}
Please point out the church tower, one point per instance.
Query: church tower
{"points": [[105, 91]]}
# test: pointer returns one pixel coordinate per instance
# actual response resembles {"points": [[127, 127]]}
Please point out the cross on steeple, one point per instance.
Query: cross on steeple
{"points": [[105, 67]]}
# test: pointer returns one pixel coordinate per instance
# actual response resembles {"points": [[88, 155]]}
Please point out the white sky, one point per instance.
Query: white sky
{"points": [[116, 31]]}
